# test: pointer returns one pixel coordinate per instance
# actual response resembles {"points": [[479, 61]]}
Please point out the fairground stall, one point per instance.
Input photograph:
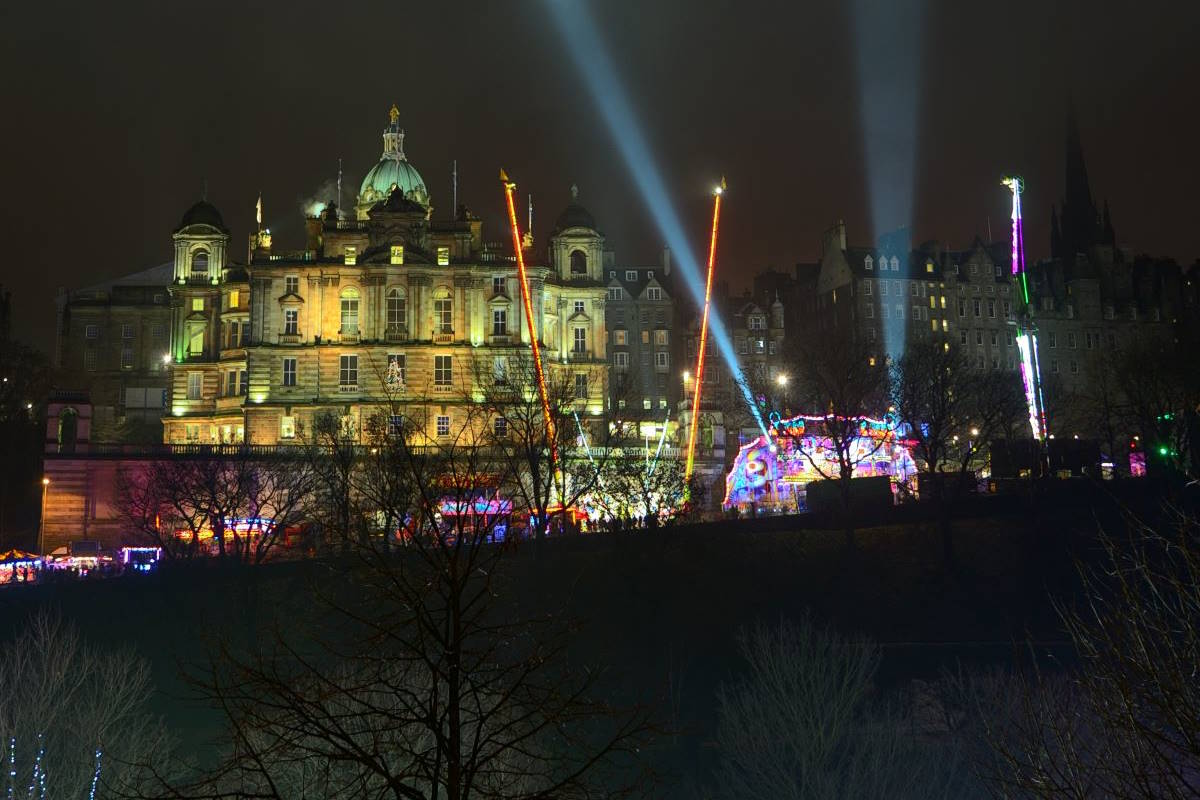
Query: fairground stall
{"points": [[771, 473], [17, 566]]}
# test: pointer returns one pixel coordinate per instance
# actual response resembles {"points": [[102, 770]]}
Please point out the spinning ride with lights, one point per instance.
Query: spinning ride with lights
{"points": [[1027, 340]]}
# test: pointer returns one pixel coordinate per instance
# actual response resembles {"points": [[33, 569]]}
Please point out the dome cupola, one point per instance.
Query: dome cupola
{"points": [[392, 171]]}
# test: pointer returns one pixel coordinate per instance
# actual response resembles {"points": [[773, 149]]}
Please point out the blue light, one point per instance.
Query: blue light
{"points": [[585, 47]]}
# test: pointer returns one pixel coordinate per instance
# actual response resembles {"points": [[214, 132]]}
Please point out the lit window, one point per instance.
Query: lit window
{"points": [[195, 385], [291, 321], [234, 297], [500, 369], [660, 338], [934, 324], [442, 368], [287, 427], [620, 336], [197, 304], [871, 361], [443, 312], [348, 370], [397, 254], [500, 427], [443, 259], [499, 322], [397, 364], [126, 358], [581, 386], [645, 337], [291, 284], [646, 403], [443, 425], [289, 372], [351, 255], [580, 342], [929, 266], [349, 308]]}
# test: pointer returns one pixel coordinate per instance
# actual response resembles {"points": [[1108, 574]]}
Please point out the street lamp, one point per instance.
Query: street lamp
{"points": [[782, 380], [42, 521], [974, 431]]}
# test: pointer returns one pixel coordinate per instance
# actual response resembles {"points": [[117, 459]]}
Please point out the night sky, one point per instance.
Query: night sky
{"points": [[116, 114]]}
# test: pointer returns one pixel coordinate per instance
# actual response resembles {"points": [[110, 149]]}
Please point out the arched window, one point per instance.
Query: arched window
{"points": [[443, 311], [397, 311], [578, 262], [68, 430], [200, 262], [349, 310]]}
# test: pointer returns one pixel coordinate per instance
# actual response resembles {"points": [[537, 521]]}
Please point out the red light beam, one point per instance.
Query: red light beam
{"points": [[712, 257]]}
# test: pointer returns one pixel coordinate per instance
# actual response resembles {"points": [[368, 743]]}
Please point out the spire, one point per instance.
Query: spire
{"points": [[1080, 220], [394, 114], [1055, 235], [574, 193]]}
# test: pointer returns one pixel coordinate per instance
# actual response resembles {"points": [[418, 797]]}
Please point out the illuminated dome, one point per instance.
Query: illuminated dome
{"points": [[393, 170]]}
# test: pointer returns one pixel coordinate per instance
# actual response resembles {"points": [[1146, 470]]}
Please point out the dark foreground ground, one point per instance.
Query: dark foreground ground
{"points": [[662, 609]]}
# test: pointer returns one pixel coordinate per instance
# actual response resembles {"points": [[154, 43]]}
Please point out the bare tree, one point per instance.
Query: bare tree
{"points": [[1127, 722], [804, 722], [641, 481], [425, 677], [70, 700], [841, 377]]}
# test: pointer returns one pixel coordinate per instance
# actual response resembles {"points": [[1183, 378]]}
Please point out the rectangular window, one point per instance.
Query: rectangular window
{"points": [[500, 369], [397, 311], [758, 323], [883, 287], [662, 360], [914, 288], [1008, 338], [126, 331], [291, 285], [759, 346], [195, 385], [126, 358], [660, 338], [581, 386], [1071, 341], [395, 424], [234, 297], [771, 347], [867, 288], [443, 259], [620, 336], [287, 427], [615, 293], [291, 321], [654, 293], [1054, 365], [243, 382], [631, 274], [1052, 339], [89, 359], [916, 312], [498, 284], [1074, 367], [500, 427], [580, 342], [995, 339], [579, 306], [443, 425], [197, 304], [743, 346], [899, 311], [979, 338], [443, 315], [977, 306], [621, 361], [289, 372], [443, 366], [158, 331], [499, 322], [979, 362], [995, 362], [991, 309], [349, 310], [1007, 310], [348, 371], [397, 254], [231, 383], [934, 324], [887, 312], [870, 312], [645, 337], [350, 255], [397, 365], [962, 307]]}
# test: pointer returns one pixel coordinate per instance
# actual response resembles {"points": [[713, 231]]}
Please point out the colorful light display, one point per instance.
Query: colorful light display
{"points": [[712, 255], [1031, 373], [775, 469], [509, 188]]}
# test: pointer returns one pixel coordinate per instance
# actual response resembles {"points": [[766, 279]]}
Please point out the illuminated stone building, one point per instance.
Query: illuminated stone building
{"points": [[392, 308]]}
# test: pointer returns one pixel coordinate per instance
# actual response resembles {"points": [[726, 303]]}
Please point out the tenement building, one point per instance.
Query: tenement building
{"points": [[392, 310]]}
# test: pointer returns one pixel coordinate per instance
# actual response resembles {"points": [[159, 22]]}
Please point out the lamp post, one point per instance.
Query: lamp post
{"points": [[42, 521]]}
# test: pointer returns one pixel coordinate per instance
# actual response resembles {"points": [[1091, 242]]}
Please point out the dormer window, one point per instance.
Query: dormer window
{"points": [[200, 263], [869, 263], [443, 256], [578, 262], [350, 256], [397, 254], [631, 275], [758, 323], [654, 293], [895, 264]]}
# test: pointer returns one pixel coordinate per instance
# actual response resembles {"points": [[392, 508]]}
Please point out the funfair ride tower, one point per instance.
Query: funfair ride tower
{"points": [[1027, 340]]}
